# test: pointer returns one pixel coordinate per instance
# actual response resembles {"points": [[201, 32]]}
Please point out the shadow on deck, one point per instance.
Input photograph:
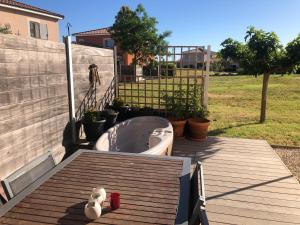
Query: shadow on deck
{"points": [[245, 180]]}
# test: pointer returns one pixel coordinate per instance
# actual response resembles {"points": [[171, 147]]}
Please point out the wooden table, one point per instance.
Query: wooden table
{"points": [[154, 190]]}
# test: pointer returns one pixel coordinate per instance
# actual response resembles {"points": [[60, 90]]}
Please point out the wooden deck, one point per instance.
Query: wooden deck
{"points": [[246, 182]]}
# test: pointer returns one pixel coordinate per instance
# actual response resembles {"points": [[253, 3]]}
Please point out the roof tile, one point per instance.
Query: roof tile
{"points": [[29, 7], [101, 31]]}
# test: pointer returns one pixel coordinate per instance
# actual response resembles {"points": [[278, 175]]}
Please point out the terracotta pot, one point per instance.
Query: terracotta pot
{"points": [[178, 126], [198, 128]]}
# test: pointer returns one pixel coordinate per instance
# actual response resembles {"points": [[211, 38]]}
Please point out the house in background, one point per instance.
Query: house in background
{"points": [[30, 21], [195, 58], [102, 38]]}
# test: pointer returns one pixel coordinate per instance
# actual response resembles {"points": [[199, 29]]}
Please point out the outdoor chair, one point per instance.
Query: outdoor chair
{"points": [[197, 197], [27, 174]]}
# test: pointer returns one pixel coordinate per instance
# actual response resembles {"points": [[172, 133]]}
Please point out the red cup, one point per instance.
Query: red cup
{"points": [[115, 200]]}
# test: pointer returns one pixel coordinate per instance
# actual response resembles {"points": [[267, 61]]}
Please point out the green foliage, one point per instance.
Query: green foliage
{"points": [[5, 29], [176, 104], [93, 115], [219, 64], [117, 103], [262, 52], [231, 49], [108, 112], [293, 51], [194, 106], [297, 69], [136, 33], [183, 103], [166, 69]]}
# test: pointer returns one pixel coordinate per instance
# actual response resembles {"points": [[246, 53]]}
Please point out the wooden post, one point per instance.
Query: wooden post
{"points": [[206, 79], [116, 71], [69, 64]]}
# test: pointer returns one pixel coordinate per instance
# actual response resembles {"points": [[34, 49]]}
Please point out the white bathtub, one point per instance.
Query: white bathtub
{"points": [[145, 134]]}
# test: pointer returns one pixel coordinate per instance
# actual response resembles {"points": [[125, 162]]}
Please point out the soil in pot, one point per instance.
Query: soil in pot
{"points": [[178, 126], [93, 130], [198, 129]]}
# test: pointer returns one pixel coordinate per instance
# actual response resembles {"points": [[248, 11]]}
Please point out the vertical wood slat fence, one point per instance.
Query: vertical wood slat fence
{"points": [[176, 68]]}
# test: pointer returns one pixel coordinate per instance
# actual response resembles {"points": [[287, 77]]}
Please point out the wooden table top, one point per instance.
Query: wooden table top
{"points": [[153, 189]]}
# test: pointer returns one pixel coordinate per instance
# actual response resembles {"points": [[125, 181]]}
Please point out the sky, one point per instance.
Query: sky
{"points": [[192, 22]]}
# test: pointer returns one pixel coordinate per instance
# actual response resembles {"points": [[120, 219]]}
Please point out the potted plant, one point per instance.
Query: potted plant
{"points": [[111, 117], [176, 109], [93, 124], [146, 111], [198, 123], [119, 106], [133, 111]]}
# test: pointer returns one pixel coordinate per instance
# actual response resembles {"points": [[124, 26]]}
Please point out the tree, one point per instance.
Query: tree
{"points": [[5, 29], [262, 53], [136, 33], [293, 54]]}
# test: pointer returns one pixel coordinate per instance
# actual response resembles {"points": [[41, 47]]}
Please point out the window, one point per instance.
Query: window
{"points": [[199, 56], [35, 29], [108, 43], [38, 30]]}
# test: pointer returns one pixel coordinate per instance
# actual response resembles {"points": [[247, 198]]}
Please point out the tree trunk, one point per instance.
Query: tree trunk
{"points": [[264, 97]]}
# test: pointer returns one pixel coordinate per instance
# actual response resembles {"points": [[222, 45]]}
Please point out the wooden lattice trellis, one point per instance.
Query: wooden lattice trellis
{"points": [[179, 67]]}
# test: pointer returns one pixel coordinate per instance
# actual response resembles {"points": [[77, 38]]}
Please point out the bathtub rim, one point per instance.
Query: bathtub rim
{"points": [[161, 147]]}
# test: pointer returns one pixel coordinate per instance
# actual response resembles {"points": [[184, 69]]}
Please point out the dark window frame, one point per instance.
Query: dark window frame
{"points": [[35, 29]]}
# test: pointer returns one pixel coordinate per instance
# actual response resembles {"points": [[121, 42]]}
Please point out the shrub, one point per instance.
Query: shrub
{"points": [[194, 106], [176, 104], [166, 69], [92, 115]]}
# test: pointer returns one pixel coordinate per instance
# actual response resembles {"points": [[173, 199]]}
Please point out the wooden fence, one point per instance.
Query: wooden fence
{"points": [[34, 96]]}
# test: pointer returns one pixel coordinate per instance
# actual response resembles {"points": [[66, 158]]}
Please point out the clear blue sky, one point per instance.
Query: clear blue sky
{"points": [[192, 22]]}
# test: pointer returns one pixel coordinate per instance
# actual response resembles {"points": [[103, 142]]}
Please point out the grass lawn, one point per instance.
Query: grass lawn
{"points": [[234, 105]]}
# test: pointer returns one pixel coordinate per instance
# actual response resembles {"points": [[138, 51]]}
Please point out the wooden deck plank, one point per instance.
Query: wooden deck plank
{"points": [[259, 214], [256, 199], [235, 219], [278, 183], [247, 170], [261, 177], [249, 192], [260, 186], [245, 181], [255, 206]]}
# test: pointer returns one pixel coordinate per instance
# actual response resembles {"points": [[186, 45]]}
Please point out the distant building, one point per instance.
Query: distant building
{"points": [[195, 58], [29, 21], [102, 38]]}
